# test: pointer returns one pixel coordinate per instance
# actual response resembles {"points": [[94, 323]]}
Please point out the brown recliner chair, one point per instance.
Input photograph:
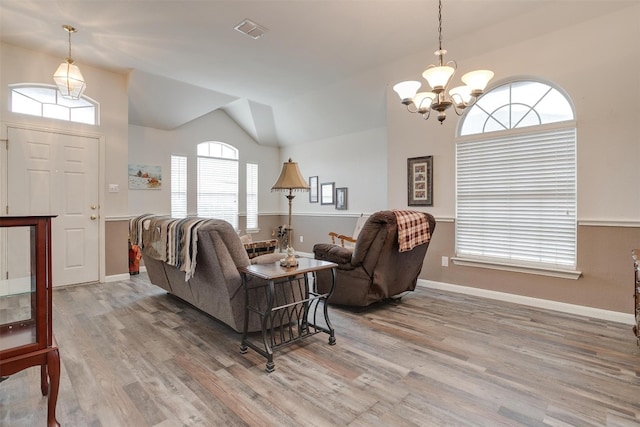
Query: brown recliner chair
{"points": [[374, 269]]}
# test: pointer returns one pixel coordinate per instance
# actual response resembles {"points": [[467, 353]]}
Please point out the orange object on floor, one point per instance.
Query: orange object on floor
{"points": [[135, 254]]}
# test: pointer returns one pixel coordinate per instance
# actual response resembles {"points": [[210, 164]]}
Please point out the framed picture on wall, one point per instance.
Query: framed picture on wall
{"points": [[326, 193], [313, 189], [420, 181], [341, 198], [145, 177]]}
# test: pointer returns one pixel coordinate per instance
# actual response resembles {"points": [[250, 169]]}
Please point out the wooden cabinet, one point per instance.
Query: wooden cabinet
{"points": [[26, 337]]}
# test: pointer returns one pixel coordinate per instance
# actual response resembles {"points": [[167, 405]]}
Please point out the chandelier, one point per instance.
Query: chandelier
{"points": [[439, 78], [68, 77]]}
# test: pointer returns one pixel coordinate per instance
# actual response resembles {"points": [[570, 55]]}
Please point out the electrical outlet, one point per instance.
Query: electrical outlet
{"points": [[301, 239], [445, 261]]}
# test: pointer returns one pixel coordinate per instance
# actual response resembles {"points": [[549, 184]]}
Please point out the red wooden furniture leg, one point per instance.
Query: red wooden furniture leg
{"points": [[44, 379], [53, 364]]}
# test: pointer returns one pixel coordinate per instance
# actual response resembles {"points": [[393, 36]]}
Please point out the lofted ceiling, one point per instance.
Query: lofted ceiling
{"points": [[320, 70]]}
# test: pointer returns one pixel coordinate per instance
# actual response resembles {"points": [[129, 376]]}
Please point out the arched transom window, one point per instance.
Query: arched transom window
{"points": [[46, 101], [517, 105]]}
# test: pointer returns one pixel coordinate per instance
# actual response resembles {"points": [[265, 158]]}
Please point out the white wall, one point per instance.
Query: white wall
{"points": [[356, 161], [155, 147]]}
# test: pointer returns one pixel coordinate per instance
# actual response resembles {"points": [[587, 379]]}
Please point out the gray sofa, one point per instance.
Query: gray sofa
{"points": [[216, 284]]}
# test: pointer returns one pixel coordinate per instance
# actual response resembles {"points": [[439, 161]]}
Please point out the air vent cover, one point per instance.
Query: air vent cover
{"points": [[251, 29]]}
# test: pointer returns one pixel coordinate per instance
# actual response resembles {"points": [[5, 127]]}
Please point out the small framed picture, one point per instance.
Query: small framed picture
{"points": [[326, 193], [313, 189], [341, 198], [420, 181]]}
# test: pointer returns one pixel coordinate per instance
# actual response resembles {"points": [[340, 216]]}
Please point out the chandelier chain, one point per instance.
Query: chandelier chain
{"points": [[439, 24]]}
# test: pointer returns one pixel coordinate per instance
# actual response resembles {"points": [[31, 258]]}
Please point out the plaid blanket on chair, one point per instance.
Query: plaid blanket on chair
{"points": [[413, 229]]}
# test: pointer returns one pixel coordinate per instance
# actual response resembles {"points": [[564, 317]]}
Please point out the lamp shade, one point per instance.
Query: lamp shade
{"points": [[423, 101], [438, 77], [290, 178], [69, 80], [477, 80], [407, 90], [461, 95]]}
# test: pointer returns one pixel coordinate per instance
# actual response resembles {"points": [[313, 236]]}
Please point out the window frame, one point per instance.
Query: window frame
{"points": [[548, 269]]}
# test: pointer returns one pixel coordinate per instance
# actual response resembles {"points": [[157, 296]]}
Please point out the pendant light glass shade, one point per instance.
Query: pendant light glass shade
{"points": [[477, 80], [407, 90], [460, 95], [438, 77], [69, 80], [423, 101]]}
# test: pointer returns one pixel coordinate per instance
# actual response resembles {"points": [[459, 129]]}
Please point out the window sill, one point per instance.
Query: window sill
{"points": [[518, 268]]}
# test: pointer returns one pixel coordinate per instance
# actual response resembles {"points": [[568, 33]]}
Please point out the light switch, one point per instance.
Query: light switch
{"points": [[114, 188]]}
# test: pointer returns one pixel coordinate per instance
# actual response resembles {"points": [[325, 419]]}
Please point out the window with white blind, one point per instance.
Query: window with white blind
{"points": [[516, 180], [252, 196], [217, 194], [178, 186]]}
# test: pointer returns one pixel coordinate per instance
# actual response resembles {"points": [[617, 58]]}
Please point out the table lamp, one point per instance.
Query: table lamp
{"points": [[289, 180]]}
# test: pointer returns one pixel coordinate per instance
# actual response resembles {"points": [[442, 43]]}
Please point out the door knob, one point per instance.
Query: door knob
{"points": [[94, 207], [93, 217]]}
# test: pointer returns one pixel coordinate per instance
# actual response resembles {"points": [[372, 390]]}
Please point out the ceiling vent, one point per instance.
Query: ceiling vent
{"points": [[251, 29]]}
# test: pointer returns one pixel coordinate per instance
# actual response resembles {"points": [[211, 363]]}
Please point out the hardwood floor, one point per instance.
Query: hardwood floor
{"points": [[133, 356]]}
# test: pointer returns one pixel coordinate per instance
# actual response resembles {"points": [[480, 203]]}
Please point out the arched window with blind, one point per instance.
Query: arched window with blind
{"points": [[217, 170], [516, 180]]}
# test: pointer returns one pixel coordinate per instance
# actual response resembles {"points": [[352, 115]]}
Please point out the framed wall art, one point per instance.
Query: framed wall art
{"points": [[341, 198], [420, 181], [313, 189], [145, 177], [326, 193]]}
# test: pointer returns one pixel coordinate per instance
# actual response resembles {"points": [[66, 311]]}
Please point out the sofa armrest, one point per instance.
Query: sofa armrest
{"points": [[334, 253]]}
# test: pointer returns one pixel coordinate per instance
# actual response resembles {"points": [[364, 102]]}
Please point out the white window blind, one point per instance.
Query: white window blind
{"points": [[217, 194], [178, 186], [516, 198], [252, 196]]}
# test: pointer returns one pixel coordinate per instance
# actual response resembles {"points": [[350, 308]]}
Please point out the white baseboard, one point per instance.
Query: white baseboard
{"points": [[123, 276], [597, 313], [116, 277]]}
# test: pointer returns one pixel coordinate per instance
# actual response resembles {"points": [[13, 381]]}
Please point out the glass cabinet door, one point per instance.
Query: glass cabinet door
{"points": [[18, 303]]}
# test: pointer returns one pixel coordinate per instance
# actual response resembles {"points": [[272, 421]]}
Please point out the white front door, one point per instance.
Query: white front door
{"points": [[57, 174]]}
